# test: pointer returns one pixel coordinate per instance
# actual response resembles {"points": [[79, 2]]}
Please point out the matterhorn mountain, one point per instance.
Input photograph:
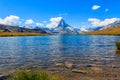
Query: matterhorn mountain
{"points": [[62, 28]]}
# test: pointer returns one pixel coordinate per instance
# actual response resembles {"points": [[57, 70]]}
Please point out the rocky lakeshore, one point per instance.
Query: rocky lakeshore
{"points": [[87, 72], [72, 71]]}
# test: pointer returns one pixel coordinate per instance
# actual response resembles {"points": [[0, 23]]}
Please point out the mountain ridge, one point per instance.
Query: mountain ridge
{"points": [[114, 30], [8, 28]]}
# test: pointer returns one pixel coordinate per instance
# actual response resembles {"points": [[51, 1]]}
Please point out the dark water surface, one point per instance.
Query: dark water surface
{"points": [[45, 51]]}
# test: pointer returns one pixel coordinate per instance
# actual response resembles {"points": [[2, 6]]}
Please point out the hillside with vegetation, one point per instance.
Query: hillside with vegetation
{"points": [[108, 31], [7, 30]]}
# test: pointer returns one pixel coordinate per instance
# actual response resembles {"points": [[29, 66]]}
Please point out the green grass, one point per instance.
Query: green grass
{"points": [[30, 75], [118, 45]]}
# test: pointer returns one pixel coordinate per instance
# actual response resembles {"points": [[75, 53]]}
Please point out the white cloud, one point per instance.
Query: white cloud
{"points": [[54, 22], [12, 19], [95, 7], [20, 22], [39, 24], [44, 21], [97, 22], [83, 28], [29, 21], [106, 10], [29, 27]]}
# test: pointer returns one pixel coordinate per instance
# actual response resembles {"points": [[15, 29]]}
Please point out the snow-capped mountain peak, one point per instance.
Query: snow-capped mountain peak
{"points": [[62, 28], [62, 24]]}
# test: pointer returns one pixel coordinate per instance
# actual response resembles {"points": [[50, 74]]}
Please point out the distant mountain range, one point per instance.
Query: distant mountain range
{"points": [[110, 29], [64, 28], [116, 23], [8, 28]]}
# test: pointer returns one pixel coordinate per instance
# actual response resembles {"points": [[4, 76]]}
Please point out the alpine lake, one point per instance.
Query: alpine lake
{"points": [[55, 53]]}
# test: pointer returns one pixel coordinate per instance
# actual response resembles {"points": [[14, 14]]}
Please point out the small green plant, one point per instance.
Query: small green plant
{"points": [[30, 75], [118, 45]]}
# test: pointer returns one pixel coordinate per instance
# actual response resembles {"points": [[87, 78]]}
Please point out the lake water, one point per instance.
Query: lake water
{"points": [[45, 51]]}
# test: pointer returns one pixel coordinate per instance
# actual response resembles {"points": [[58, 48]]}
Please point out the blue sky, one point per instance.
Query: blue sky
{"points": [[77, 13]]}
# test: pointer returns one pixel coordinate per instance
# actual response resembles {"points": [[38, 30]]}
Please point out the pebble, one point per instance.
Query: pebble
{"points": [[58, 64], [68, 65], [79, 71], [113, 66]]}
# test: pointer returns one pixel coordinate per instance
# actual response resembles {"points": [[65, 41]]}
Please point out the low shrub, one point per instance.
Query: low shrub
{"points": [[118, 45]]}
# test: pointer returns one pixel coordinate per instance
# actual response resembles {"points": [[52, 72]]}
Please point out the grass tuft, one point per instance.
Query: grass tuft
{"points": [[30, 75]]}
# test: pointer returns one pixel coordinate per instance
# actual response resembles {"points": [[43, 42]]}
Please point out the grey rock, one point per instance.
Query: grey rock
{"points": [[3, 77], [59, 64], [79, 71]]}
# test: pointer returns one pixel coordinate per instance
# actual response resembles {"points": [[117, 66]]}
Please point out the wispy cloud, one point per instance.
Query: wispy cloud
{"points": [[29, 21], [106, 10], [39, 24], [44, 21], [95, 7], [63, 14]]}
